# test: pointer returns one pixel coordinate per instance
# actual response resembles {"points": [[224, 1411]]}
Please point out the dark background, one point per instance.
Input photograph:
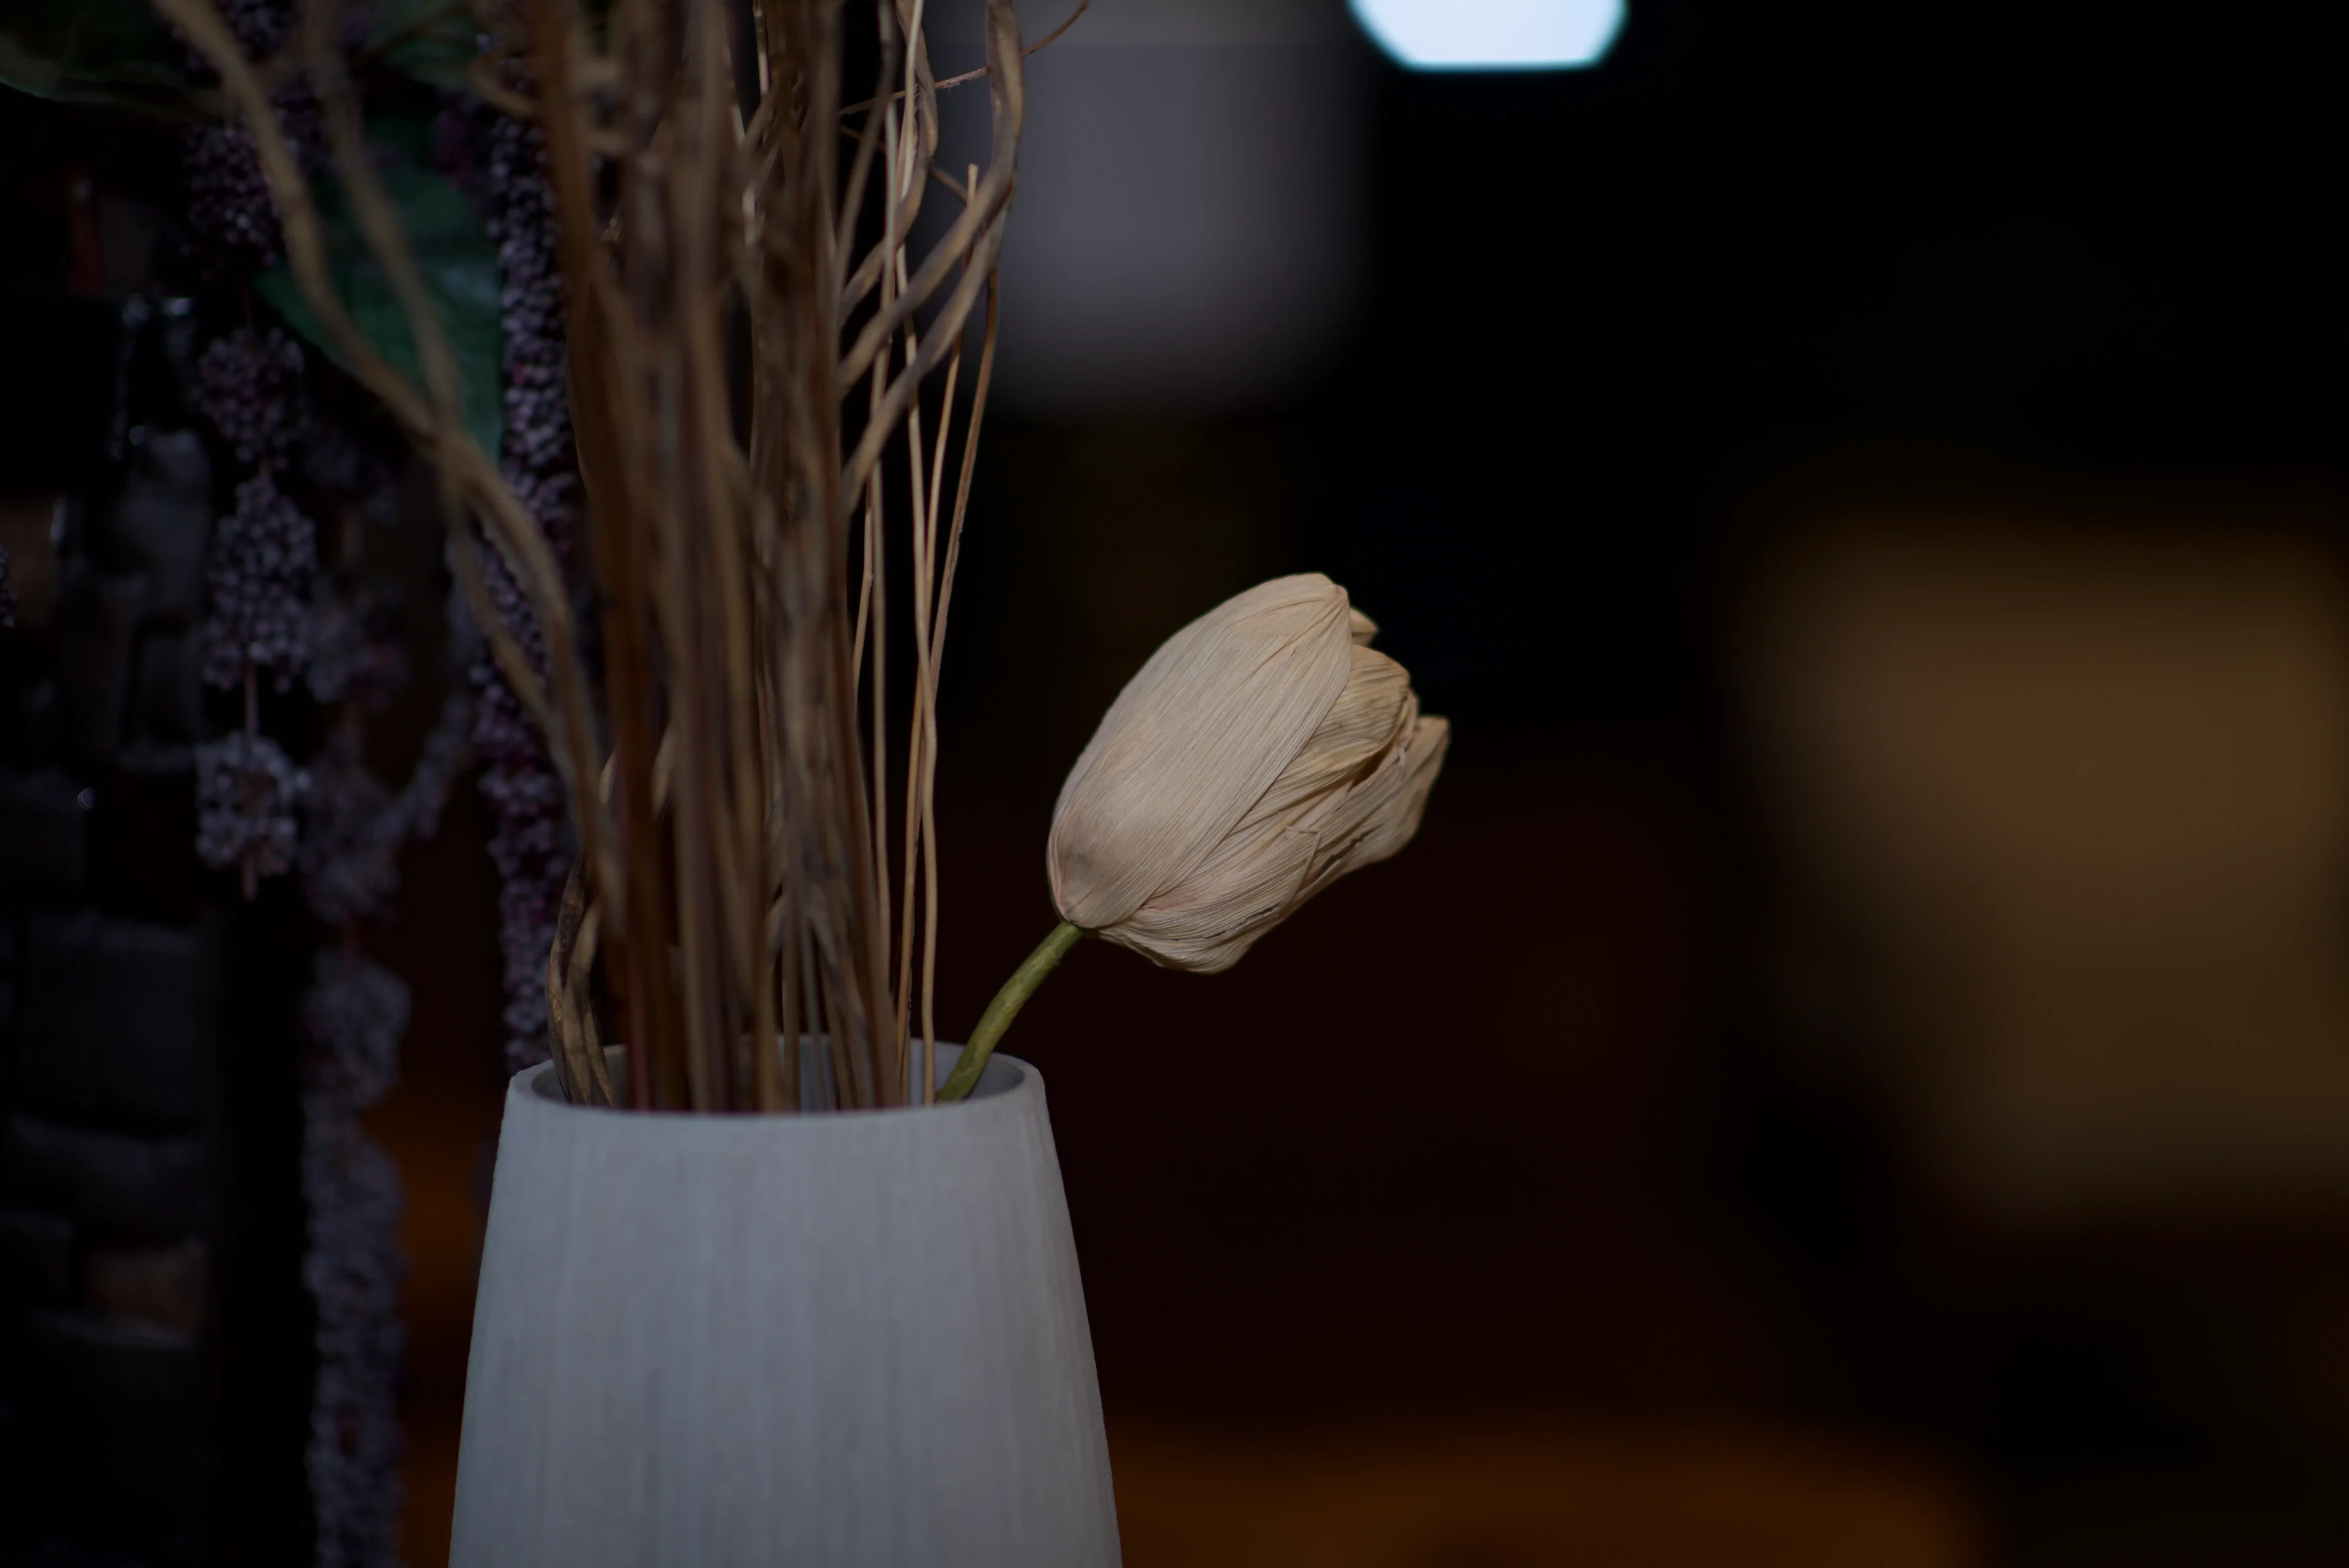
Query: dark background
{"points": [[1508, 1135]]}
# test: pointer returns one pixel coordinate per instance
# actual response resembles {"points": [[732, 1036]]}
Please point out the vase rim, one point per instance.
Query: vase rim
{"points": [[1005, 1078]]}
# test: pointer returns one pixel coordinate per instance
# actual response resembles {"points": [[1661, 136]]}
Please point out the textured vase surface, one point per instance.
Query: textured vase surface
{"points": [[847, 1339]]}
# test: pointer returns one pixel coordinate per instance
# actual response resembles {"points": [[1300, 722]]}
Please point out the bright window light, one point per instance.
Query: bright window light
{"points": [[1492, 34]]}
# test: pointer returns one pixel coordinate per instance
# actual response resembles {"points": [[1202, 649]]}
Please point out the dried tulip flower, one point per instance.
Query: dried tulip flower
{"points": [[1263, 752]]}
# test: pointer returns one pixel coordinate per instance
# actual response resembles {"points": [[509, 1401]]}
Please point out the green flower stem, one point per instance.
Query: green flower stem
{"points": [[1004, 1009]]}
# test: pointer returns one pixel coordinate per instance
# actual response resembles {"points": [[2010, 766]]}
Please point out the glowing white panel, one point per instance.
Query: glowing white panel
{"points": [[1492, 34]]}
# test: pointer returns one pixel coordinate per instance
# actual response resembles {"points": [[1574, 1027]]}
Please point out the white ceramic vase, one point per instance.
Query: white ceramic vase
{"points": [[822, 1341]]}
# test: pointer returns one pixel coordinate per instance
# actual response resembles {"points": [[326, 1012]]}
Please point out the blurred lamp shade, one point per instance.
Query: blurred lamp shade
{"points": [[1191, 230], [1492, 34], [2062, 819]]}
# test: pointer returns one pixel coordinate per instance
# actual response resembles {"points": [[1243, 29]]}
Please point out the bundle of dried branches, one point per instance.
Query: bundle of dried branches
{"points": [[754, 329]]}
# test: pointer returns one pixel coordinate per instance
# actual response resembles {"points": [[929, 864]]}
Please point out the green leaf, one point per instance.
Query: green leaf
{"points": [[459, 268], [406, 129], [92, 51], [432, 41]]}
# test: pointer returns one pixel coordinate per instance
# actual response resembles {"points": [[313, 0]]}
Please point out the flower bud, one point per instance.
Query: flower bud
{"points": [[1263, 752]]}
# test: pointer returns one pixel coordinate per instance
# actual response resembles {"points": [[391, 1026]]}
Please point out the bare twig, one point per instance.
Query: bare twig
{"points": [[973, 74]]}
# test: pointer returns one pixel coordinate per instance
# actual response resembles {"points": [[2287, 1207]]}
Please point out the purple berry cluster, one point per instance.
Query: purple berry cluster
{"points": [[414, 815], [348, 863], [264, 553], [246, 792], [258, 577], [501, 162], [227, 222], [248, 385], [354, 826], [357, 1014], [353, 1270], [538, 453], [355, 650], [337, 463], [231, 221], [263, 27], [273, 610]]}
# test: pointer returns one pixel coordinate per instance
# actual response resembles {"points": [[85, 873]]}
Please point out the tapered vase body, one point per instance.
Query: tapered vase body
{"points": [[850, 1340]]}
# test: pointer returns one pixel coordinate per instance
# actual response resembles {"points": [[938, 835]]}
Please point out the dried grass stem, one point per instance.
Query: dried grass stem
{"points": [[731, 772]]}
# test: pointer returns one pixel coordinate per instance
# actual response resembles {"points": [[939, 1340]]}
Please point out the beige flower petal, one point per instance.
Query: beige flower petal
{"points": [[1364, 809], [1264, 873], [1240, 892], [1370, 719], [1194, 741], [1383, 817]]}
